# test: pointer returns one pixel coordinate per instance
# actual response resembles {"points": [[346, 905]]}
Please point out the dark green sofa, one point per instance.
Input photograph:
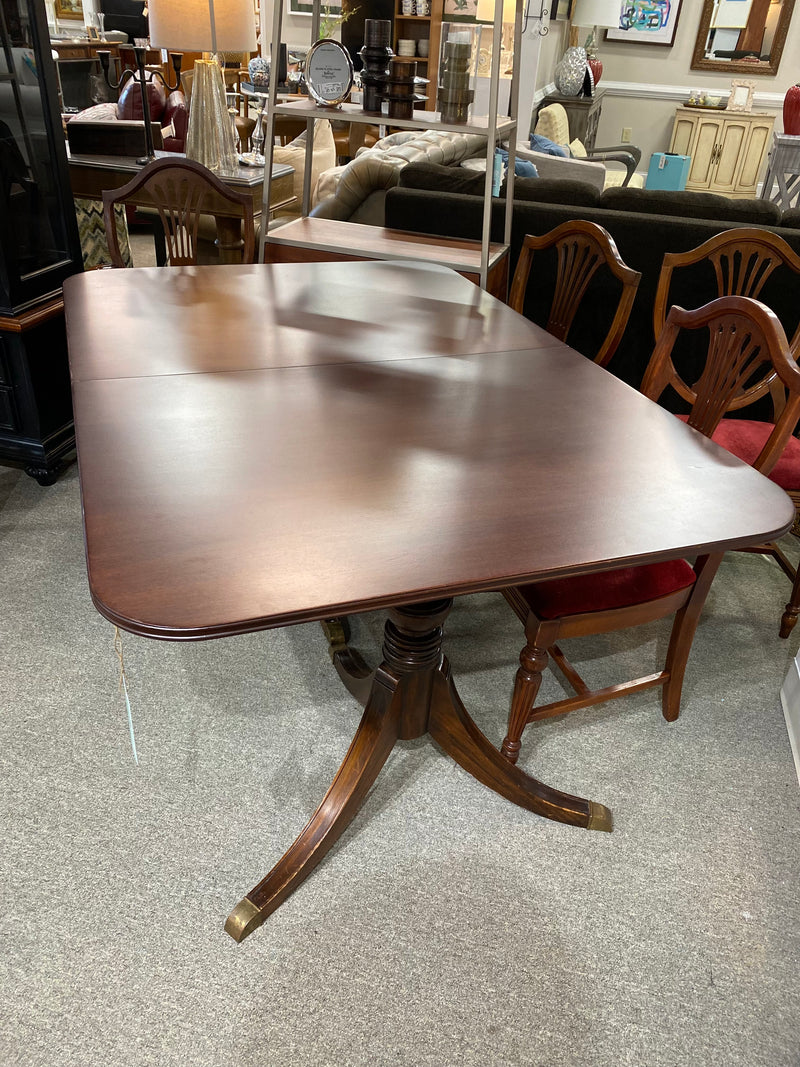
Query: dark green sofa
{"points": [[644, 224]]}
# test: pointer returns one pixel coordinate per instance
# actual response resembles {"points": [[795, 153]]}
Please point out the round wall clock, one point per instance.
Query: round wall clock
{"points": [[329, 73]]}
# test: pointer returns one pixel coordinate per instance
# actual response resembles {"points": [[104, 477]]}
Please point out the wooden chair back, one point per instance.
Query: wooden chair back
{"points": [[747, 350], [743, 259], [181, 190], [582, 249]]}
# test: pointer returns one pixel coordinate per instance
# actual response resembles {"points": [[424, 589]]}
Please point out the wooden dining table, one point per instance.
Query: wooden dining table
{"points": [[263, 445]]}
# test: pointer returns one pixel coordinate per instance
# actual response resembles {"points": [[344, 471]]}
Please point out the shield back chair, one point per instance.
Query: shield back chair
{"points": [[182, 192], [743, 260], [582, 249], [746, 344]]}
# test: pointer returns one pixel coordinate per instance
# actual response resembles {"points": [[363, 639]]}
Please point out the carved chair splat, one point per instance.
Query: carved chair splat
{"points": [[181, 190], [743, 260], [582, 249]]}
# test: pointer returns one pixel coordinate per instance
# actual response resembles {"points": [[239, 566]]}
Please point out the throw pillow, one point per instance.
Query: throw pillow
{"points": [[523, 168], [323, 158], [577, 149], [550, 148]]}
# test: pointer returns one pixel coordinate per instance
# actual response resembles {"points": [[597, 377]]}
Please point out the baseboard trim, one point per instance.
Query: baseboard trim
{"points": [[790, 701]]}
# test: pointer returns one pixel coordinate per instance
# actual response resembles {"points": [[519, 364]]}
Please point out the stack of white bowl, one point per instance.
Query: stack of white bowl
{"points": [[406, 47]]}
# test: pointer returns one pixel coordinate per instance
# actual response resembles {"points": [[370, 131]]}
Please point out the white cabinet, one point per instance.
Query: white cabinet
{"points": [[727, 148]]}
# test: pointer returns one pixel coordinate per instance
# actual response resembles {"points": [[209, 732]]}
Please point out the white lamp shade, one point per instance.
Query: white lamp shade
{"points": [[596, 13], [486, 8], [203, 25]]}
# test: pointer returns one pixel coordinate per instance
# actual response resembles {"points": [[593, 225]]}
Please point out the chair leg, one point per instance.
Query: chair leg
{"points": [[683, 631], [533, 660], [789, 617]]}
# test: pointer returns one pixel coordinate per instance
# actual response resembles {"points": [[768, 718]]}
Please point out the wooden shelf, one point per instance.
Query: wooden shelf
{"points": [[418, 28], [307, 109], [310, 240]]}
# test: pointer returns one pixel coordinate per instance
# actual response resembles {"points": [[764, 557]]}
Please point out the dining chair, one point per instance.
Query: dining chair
{"points": [[743, 260], [582, 249], [182, 190], [746, 348]]}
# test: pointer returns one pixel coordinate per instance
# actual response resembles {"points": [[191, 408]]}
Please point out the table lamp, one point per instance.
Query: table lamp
{"points": [[207, 26], [595, 13]]}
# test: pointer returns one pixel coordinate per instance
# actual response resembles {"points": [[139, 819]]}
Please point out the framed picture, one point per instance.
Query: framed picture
{"points": [[561, 10], [69, 9], [460, 10], [647, 22], [329, 73], [741, 98], [93, 33], [306, 7]]}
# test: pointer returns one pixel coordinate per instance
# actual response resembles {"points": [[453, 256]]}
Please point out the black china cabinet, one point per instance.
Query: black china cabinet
{"points": [[39, 248]]}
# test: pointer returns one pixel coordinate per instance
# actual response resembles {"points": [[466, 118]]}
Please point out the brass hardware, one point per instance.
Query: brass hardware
{"points": [[600, 817], [244, 918]]}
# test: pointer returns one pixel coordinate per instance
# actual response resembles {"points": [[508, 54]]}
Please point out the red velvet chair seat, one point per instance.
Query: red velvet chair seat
{"points": [[746, 437], [608, 589]]}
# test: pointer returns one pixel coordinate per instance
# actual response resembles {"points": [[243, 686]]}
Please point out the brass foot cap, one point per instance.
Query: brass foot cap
{"points": [[600, 817], [243, 920]]}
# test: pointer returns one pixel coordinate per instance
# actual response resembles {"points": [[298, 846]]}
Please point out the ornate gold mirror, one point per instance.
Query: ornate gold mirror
{"points": [[737, 37]]}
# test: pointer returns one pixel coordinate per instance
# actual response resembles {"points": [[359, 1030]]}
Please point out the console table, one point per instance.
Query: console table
{"points": [[91, 174], [583, 113]]}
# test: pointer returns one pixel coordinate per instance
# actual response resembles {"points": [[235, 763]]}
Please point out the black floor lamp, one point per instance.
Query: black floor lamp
{"points": [[140, 75]]}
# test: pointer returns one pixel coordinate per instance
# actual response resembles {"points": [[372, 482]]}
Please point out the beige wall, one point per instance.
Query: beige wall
{"points": [[651, 120]]}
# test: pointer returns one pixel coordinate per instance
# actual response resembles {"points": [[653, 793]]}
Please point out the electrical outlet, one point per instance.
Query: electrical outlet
{"points": [[626, 135]]}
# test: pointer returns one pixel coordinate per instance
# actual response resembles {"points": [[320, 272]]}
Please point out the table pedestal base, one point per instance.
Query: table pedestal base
{"points": [[410, 694]]}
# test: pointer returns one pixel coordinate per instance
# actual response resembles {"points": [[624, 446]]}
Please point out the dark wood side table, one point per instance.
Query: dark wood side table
{"points": [[583, 113], [91, 174]]}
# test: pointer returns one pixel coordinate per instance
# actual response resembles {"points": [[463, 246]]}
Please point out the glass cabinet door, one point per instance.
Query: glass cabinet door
{"points": [[38, 233]]}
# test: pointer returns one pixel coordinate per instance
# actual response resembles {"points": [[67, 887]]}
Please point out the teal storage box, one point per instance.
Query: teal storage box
{"points": [[667, 170]]}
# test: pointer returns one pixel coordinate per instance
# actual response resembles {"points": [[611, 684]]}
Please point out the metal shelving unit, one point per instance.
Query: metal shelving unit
{"points": [[492, 126]]}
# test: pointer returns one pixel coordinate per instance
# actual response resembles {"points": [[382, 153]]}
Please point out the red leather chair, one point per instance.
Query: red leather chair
{"points": [[168, 109]]}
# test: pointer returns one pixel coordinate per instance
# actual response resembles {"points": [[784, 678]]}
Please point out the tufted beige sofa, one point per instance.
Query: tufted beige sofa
{"points": [[356, 191]]}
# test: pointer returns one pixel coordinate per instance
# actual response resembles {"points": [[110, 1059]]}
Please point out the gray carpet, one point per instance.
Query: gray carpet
{"points": [[447, 927]]}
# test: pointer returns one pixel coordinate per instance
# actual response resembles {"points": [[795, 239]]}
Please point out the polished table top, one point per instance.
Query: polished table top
{"points": [[263, 445], [442, 442]]}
